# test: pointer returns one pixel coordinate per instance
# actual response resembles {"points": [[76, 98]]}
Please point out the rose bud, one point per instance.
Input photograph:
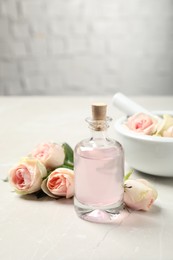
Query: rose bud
{"points": [[139, 194], [50, 154], [60, 183], [142, 123], [26, 177]]}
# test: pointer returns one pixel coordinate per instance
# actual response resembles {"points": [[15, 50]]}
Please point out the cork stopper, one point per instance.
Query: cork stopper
{"points": [[99, 111]]}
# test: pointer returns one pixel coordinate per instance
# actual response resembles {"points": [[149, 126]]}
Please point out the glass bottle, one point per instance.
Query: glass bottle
{"points": [[99, 172]]}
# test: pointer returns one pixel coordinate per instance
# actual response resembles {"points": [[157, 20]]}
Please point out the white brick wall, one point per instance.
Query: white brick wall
{"points": [[77, 47]]}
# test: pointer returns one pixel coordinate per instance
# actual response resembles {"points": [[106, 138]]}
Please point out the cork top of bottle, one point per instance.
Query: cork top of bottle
{"points": [[99, 111]]}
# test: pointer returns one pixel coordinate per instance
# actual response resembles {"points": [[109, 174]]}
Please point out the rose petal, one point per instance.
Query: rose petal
{"points": [[45, 189]]}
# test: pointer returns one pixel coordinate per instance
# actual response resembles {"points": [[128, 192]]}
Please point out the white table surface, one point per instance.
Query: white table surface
{"points": [[32, 229]]}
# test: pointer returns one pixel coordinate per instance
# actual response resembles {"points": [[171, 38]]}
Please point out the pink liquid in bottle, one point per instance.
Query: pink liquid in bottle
{"points": [[98, 174]]}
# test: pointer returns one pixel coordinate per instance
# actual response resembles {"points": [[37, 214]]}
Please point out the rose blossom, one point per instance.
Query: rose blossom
{"points": [[50, 154], [59, 183], [26, 177], [142, 123], [139, 194]]}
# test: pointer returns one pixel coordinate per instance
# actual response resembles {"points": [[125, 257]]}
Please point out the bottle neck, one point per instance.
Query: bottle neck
{"points": [[102, 134], [98, 127]]}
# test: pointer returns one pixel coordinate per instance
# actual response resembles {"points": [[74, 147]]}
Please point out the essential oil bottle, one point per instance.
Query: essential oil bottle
{"points": [[99, 171]]}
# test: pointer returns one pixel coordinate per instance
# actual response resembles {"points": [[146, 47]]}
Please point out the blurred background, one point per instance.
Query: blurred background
{"points": [[86, 47]]}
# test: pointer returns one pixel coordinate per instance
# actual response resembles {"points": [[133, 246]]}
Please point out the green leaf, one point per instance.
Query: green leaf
{"points": [[68, 154], [127, 176], [40, 194]]}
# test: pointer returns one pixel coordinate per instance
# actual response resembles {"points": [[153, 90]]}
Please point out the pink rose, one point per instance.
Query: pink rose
{"points": [[142, 123], [50, 154], [59, 183], [26, 177], [139, 194]]}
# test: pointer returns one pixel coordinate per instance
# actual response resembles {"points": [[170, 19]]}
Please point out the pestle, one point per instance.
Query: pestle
{"points": [[129, 107]]}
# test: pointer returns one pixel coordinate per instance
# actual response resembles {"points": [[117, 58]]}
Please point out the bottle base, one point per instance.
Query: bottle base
{"points": [[103, 214]]}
